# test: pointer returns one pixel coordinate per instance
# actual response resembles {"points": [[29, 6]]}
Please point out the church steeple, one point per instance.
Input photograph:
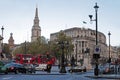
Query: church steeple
{"points": [[36, 19], [36, 30], [36, 13]]}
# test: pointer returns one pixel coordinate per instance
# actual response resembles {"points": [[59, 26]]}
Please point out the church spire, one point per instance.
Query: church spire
{"points": [[36, 13], [36, 29]]}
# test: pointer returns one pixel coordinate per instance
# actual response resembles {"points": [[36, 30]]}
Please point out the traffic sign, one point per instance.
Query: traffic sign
{"points": [[97, 49]]}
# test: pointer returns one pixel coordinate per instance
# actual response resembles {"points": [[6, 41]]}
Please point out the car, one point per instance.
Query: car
{"points": [[30, 68], [78, 69], [2, 65], [13, 67], [106, 69], [41, 67]]}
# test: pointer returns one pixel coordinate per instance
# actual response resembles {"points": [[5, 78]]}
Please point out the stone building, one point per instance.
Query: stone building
{"points": [[11, 45], [36, 30], [113, 52], [11, 42], [84, 39]]}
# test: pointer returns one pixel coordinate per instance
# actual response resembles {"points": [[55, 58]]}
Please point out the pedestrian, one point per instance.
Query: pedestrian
{"points": [[58, 66], [49, 66]]}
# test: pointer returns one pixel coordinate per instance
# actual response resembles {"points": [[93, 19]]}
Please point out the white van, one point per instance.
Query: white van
{"points": [[41, 67]]}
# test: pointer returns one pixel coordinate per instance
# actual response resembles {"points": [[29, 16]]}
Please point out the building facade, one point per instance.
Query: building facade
{"points": [[84, 39], [36, 29], [11, 46], [11, 42], [113, 52]]}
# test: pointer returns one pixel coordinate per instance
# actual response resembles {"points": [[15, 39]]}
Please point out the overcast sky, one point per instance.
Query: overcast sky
{"points": [[17, 17]]}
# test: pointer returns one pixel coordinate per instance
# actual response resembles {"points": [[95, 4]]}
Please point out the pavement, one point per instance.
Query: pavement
{"points": [[106, 76], [89, 74]]}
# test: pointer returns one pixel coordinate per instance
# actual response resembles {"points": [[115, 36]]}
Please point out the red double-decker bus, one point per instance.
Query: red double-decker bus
{"points": [[43, 59], [30, 59], [23, 58]]}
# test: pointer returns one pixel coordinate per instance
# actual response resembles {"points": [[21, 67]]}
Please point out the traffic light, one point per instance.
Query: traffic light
{"points": [[96, 56]]}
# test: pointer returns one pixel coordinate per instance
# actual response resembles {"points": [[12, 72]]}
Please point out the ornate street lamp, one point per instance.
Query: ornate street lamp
{"points": [[25, 47], [96, 56], [2, 36], [109, 50], [76, 51], [1, 54], [62, 65], [67, 51]]}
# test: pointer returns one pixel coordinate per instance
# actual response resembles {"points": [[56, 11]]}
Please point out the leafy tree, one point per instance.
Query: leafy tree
{"points": [[6, 50], [118, 51], [39, 46], [42, 45], [56, 47]]}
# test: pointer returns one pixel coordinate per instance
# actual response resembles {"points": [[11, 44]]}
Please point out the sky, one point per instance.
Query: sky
{"points": [[16, 16]]}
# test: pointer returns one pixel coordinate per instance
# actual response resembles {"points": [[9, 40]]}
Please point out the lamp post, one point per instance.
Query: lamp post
{"points": [[2, 36], [25, 47], [67, 51], [76, 51], [62, 68], [109, 49], [2, 42], [1, 54], [96, 56]]}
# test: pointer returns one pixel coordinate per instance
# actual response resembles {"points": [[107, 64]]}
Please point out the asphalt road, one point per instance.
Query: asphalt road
{"points": [[49, 76], [54, 75]]}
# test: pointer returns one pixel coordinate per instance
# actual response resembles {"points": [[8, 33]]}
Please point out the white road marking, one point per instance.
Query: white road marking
{"points": [[7, 78]]}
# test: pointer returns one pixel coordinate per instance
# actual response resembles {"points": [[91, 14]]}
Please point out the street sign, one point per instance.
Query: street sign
{"points": [[97, 49]]}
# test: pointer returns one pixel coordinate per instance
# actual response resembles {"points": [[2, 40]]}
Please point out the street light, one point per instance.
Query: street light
{"points": [[2, 36], [96, 56], [76, 51], [109, 49], [1, 54], [67, 51], [25, 48], [62, 65]]}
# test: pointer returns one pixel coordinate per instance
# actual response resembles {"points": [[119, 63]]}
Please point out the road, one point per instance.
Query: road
{"points": [[54, 75]]}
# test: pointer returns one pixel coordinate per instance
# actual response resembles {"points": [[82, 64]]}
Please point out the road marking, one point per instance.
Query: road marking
{"points": [[7, 78]]}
